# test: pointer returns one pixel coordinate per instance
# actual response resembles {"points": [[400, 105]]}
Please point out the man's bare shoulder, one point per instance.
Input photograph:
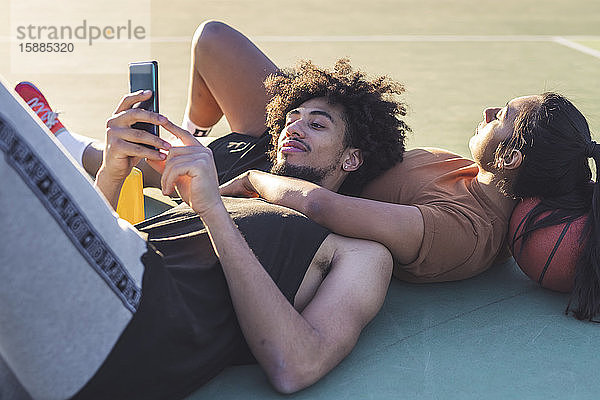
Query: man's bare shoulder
{"points": [[339, 259], [337, 247]]}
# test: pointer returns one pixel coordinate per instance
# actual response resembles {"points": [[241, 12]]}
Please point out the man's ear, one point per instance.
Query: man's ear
{"points": [[352, 160], [512, 160]]}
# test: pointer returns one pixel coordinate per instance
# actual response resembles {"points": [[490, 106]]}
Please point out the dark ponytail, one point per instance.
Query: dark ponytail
{"points": [[586, 292], [554, 139]]}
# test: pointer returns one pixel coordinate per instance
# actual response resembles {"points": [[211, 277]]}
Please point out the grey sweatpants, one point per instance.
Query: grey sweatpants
{"points": [[70, 270]]}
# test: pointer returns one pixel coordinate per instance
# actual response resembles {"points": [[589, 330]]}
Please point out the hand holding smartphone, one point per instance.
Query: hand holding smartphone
{"points": [[144, 76]]}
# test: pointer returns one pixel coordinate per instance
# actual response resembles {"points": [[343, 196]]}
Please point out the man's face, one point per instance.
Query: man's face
{"points": [[311, 145], [497, 125]]}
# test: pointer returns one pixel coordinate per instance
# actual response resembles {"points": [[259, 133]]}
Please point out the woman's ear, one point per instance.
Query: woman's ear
{"points": [[512, 160], [353, 160]]}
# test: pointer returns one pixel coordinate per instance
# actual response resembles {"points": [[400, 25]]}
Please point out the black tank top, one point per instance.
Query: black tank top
{"points": [[185, 330]]}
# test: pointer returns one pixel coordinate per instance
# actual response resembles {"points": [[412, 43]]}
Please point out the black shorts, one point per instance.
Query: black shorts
{"points": [[236, 153]]}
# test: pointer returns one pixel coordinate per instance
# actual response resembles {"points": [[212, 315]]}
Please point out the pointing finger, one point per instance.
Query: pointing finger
{"points": [[128, 100], [186, 137]]}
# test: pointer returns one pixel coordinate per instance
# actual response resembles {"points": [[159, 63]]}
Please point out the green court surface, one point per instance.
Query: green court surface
{"points": [[495, 336]]}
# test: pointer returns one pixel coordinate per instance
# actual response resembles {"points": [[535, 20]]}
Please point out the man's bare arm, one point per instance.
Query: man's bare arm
{"points": [[295, 349], [397, 226]]}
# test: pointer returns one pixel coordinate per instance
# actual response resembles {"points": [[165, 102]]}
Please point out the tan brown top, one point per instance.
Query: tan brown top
{"points": [[464, 230]]}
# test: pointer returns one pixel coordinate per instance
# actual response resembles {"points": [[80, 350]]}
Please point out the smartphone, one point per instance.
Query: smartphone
{"points": [[144, 76]]}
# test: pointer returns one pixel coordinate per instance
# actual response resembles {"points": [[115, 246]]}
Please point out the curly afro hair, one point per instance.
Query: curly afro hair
{"points": [[371, 112]]}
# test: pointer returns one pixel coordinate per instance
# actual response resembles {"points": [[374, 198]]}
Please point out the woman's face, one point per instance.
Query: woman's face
{"points": [[497, 125]]}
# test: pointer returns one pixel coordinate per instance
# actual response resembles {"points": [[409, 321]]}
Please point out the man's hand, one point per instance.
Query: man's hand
{"points": [[191, 170], [240, 186], [124, 147]]}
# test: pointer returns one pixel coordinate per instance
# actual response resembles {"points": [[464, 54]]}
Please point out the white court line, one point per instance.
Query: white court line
{"points": [[384, 38], [378, 38], [391, 38], [577, 46], [568, 41]]}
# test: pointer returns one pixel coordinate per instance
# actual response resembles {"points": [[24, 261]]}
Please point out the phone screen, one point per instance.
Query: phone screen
{"points": [[144, 76]]}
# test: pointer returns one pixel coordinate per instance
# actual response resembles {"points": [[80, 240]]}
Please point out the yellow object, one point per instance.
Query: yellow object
{"points": [[131, 199]]}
